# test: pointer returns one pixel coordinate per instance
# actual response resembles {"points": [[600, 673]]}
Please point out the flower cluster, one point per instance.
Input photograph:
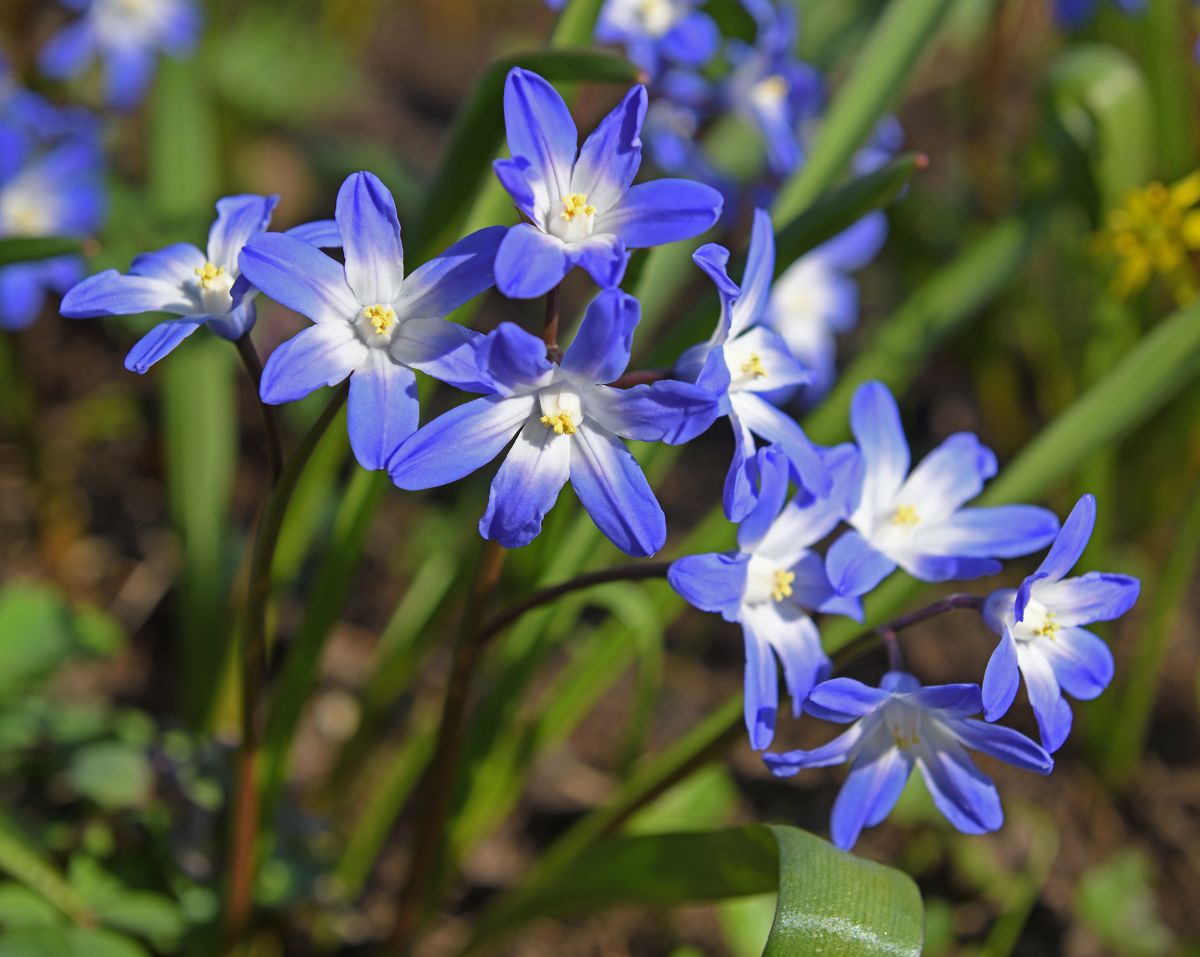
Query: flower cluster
{"points": [[50, 185]]}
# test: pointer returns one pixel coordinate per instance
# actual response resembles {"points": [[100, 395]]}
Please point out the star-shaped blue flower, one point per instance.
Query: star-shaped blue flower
{"points": [[578, 203], [1042, 636], [568, 425], [127, 37], [899, 726], [917, 520], [201, 288], [745, 359], [371, 322], [772, 582]]}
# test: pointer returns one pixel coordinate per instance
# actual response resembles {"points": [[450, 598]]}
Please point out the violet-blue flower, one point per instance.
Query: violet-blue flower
{"points": [[126, 36], [1073, 14], [901, 725], [577, 202], [917, 520], [772, 582], [371, 322], [744, 359], [1042, 636], [200, 288], [568, 425]]}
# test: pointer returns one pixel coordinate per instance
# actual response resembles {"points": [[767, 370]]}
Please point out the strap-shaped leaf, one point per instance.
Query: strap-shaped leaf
{"points": [[18, 249], [830, 903]]}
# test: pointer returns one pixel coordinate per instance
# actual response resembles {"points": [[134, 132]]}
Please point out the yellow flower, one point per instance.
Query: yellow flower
{"points": [[1153, 233]]}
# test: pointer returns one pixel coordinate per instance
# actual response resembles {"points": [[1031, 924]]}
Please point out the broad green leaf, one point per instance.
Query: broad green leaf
{"points": [[144, 913], [67, 942], [576, 24], [21, 907], [877, 81], [829, 902], [16, 249], [26, 864], [184, 164], [1167, 56]]}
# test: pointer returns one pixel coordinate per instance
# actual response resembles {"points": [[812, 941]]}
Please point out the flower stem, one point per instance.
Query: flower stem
{"points": [[640, 377], [254, 368], [550, 328], [889, 632], [244, 821], [436, 791], [551, 593]]}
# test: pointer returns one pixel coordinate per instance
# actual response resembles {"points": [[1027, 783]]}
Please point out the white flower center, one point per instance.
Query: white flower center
{"points": [[1039, 622], [767, 581], [22, 214], [769, 92], [376, 324], [562, 410], [904, 724], [745, 365], [212, 286], [573, 220]]}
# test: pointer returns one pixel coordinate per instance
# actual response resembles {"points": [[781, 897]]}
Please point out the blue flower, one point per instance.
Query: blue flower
{"points": [[126, 36], [659, 32], [772, 581], [745, 359], [899, 725], [771, 88], [1072, 14], [917, 520], [44, 192], [816, 298], [578, 204], [567, 424], [200, 288], [1041, 633], [371, 323]]}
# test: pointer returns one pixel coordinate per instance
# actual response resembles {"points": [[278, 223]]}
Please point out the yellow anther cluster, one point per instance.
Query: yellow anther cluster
{"points": [[900, 741], [905, 515], [783, 584], [1154, 232], [576, 204], [753, 366], [208, 274], [772, 88], [561, 423], [1050, 627], [382, 318]]}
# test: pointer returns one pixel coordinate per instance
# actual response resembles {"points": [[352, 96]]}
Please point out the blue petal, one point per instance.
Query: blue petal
{"points": [[854, 247], [875, 422], [844, 700], [14, 150], [761, 702], [870, 792], [855, 566], [127, 74], [961, 791], [21, 296], [529, 263], [1004, 531], [834, 752], [299, 276], [383, 409], [159, 342], [949, 476], [1024, 593], [460, 441], [175, 264], [774, 425], [527, 485], [235, 323], [740, 493], [1003, 743], [238, 218], [444, 350], [953, 700], [713, 259], [760, 272], [515, 176], [603, 257], [1001, 679], [1082, 662], [714, 582], [462, 272], [1096, 596], [944, 568], [773, 480], [610, 156], [1049, 707], [110, 294], [662, 211], [540, 129], [899, 682], [614, 491], [68, 51], [692, 41], [670, 411], [370, 231], [319, 355], [322, 233], [780, 369], [796, 643], [600, 350], [513, 358]]}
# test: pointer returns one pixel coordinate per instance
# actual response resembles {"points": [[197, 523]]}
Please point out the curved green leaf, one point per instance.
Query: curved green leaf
{"points": [[830, 903], [17, 249]]}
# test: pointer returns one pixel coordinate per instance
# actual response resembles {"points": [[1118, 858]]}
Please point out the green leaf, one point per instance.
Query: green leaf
{"points": [[829, 902], [113, 774], [143, 913], [879, 78], [184, 165], [576, 24], [17, 249], [67, 942], [21, 907], [25, 863], [1116, 901]]}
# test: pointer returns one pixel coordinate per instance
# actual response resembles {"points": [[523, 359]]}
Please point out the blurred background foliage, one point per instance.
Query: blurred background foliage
{"points": [[1005, 302]]}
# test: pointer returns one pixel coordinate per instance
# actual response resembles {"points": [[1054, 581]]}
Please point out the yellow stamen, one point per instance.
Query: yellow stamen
{"points": [[773, 88], [561, 423], [754, 367], [576, 204], [905, 515], [382, 318], [783, 584], [1050, 627], [209, 274], [900, 741]]}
